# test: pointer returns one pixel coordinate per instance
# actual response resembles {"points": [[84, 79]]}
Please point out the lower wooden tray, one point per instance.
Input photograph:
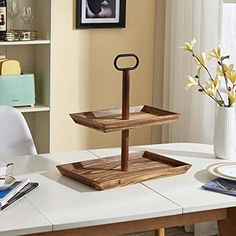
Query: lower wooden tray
{"points": [[106, 172]]}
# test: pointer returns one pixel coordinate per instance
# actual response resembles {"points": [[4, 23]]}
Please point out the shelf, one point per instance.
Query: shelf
{"points": [[35, 57], [105, 173], [37, 108], [32, 42], [111, 120]]}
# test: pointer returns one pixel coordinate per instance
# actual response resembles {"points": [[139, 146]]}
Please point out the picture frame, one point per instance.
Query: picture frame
{"points": [[100, 14]]}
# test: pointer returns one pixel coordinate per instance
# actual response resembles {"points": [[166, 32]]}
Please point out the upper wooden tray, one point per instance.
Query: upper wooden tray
{"points": [[111, 120]]}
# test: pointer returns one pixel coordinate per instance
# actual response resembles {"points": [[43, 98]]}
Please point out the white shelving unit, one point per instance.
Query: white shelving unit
{"points": [[34, 57], [37, 108], [33, 42]]}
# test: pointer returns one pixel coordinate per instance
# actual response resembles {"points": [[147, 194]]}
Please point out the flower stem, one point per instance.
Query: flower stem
{"points": [[214, 98], [203, 66], [226, 81], [208, 74], [224, 73]]}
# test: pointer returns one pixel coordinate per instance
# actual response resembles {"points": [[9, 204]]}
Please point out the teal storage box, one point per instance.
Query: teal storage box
{"points": [[17, 90]]}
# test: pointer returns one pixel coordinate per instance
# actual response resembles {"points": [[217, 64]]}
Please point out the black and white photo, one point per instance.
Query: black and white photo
{"points": [[100, 13]]}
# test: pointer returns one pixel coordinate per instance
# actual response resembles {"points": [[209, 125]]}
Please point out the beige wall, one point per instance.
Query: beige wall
{"points": [[83, 76]]}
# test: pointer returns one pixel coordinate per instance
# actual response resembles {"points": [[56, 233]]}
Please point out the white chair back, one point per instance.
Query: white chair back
{"points": [[15, 136]]}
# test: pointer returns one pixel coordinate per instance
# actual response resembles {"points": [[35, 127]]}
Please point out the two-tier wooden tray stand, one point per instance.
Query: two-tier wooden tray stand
{"points": [[128, 168]]}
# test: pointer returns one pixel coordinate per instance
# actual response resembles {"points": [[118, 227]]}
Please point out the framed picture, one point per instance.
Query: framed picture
{"points": [[100, 13]]}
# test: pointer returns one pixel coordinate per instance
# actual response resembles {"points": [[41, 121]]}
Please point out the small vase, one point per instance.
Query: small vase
{"points": [[225, 133]]}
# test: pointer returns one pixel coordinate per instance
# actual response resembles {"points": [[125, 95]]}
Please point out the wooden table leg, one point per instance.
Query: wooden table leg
{"points": [[227, 227], [160, 232]]}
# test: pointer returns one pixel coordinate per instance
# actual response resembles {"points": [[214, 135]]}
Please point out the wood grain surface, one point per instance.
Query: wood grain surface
{"points": [[111, 120], [145, 225], [106, 172]]}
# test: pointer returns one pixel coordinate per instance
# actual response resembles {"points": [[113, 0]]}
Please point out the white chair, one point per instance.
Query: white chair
{"points": [[15, 136]]}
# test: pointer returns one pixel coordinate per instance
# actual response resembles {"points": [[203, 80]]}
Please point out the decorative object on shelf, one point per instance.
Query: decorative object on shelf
{"points": [[9, 36], [221, 88], [10, 67], [16, 89], [3, 19], [26, 15], [12, 11], [100, 13], [128, 168], [33, 34], [23, 35]]}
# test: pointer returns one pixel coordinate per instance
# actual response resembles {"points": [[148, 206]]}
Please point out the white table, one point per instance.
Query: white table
{"points": [[61, 206]]}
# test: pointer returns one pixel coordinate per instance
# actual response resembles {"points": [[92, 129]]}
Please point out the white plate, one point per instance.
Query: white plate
{"points": [[9, 181], [227, 170], [213, 169]]}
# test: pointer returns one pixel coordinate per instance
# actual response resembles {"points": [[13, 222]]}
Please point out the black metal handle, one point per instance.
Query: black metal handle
{"points": [[126, 68]]}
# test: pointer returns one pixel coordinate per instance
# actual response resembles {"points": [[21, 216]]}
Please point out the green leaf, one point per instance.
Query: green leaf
{"points": [[221, 102], [198, 73], [224, 57]]}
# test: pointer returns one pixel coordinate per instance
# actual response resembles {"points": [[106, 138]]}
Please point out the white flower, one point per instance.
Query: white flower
{"points": [[217, 86], [232, 96], [189, 46], [201, 60], [216, 53], [210, 88], [190, 82]]}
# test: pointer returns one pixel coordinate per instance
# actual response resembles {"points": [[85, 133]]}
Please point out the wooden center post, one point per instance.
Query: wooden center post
{"points": [[125, 108], [125, 116]]}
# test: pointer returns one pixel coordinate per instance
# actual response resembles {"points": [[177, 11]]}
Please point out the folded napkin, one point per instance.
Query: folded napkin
{"points": [[222, 186]]}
